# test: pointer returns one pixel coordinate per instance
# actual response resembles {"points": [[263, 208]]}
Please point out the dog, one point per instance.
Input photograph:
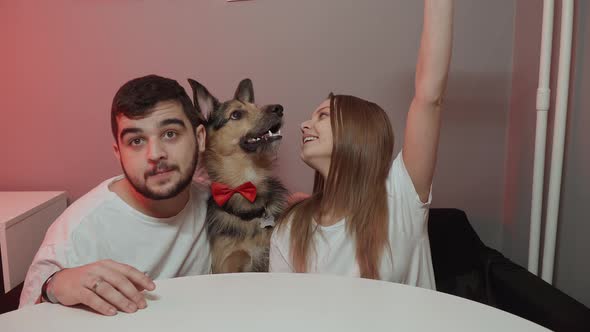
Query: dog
{"points": [[241, 147]]}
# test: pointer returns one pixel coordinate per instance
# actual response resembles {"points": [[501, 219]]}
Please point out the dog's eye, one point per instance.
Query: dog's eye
{"points": [[235, 115]]}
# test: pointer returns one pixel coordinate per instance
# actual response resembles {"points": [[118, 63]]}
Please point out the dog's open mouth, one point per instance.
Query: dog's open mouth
{"points": [[272, 134], [251, 143]]}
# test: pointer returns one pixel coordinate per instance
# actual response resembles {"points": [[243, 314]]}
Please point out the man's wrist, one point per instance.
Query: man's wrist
{"points": [[47, 291]]}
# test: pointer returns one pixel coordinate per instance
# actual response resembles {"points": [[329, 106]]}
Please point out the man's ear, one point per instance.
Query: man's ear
{"points": [[116, 151], [201, 135]]}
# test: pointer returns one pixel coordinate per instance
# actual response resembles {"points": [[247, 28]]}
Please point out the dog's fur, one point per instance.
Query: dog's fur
{"points": [[233, 156]]}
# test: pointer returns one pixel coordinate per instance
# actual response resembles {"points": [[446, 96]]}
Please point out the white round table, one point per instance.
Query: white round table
{"points": [[278, 302]]}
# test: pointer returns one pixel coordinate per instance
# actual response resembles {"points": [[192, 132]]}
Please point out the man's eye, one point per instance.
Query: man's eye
{"points": [[235, 115], [170, 134], [135, 141]]}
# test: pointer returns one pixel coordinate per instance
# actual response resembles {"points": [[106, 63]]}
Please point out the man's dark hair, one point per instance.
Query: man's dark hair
{"points": [[136, 98]]}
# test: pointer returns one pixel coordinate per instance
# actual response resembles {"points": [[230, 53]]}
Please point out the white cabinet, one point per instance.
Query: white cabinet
{"points": [[24, 219]]}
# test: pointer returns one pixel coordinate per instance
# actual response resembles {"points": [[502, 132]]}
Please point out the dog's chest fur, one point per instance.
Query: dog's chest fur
{"points": [[240, 218], [242, 226]]}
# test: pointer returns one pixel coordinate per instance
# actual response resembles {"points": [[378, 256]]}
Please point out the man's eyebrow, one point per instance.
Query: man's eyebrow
{"points": [[163, 123], [131, 130], [175, 121]]}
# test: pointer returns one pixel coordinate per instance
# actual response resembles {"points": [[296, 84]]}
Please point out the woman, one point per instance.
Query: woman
{"points": [[368, 215]]}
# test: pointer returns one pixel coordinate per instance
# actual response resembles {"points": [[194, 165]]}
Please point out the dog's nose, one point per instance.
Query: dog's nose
{"points": [[277, 109]]}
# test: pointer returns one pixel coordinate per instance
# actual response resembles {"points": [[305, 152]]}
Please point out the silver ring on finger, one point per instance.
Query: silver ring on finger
{"points": [[96, 284]]}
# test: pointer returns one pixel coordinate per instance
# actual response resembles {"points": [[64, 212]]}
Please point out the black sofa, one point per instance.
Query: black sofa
{"points": [[465, 267]]}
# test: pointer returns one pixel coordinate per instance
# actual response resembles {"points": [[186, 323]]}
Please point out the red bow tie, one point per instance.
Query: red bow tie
{"points": [[222, 193]]}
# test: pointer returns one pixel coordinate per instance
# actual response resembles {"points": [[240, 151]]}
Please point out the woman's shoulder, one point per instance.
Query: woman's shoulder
{"points": [[400, 185], [398, 168], [282, 229]]}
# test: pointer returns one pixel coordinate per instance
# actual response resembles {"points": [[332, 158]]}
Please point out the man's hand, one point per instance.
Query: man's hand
{"points": [[104, 286]]}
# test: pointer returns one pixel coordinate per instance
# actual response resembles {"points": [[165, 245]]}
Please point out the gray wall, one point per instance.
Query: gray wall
{"points": [[572, 267], [572, 272], [64, 59]]}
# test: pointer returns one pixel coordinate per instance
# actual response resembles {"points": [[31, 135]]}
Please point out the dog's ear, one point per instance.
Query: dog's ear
{"points": [[203, 100], [245, 91]]}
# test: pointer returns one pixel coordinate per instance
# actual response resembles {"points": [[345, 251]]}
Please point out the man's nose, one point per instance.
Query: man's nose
{"points": [[156, 150]]}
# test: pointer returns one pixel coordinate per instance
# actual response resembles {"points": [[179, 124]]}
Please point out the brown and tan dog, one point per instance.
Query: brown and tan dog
{"points": [[242, 143]]}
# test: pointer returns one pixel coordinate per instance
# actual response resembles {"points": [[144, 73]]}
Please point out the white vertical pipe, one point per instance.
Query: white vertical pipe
{"points": [[543, 98], [563, 77]]}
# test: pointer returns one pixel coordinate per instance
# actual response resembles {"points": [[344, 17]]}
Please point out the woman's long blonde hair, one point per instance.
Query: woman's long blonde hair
{"points": [[354, 188]]}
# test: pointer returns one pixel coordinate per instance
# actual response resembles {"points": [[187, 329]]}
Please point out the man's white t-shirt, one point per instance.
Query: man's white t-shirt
{"points": [[100, 225], [407, 260]]}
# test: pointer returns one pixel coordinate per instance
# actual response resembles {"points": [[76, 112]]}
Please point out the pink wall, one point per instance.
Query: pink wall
{"points": [[66, 60], [62, 61]]}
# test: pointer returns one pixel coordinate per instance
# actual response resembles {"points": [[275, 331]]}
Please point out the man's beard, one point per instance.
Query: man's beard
{"points": [[177, 189]]}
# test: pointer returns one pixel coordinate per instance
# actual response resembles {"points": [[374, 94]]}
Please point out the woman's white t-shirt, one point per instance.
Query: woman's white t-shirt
{"points": [[407, 260]]}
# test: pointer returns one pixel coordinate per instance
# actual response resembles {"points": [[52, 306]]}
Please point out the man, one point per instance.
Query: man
{"points": [[110, 245]]}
